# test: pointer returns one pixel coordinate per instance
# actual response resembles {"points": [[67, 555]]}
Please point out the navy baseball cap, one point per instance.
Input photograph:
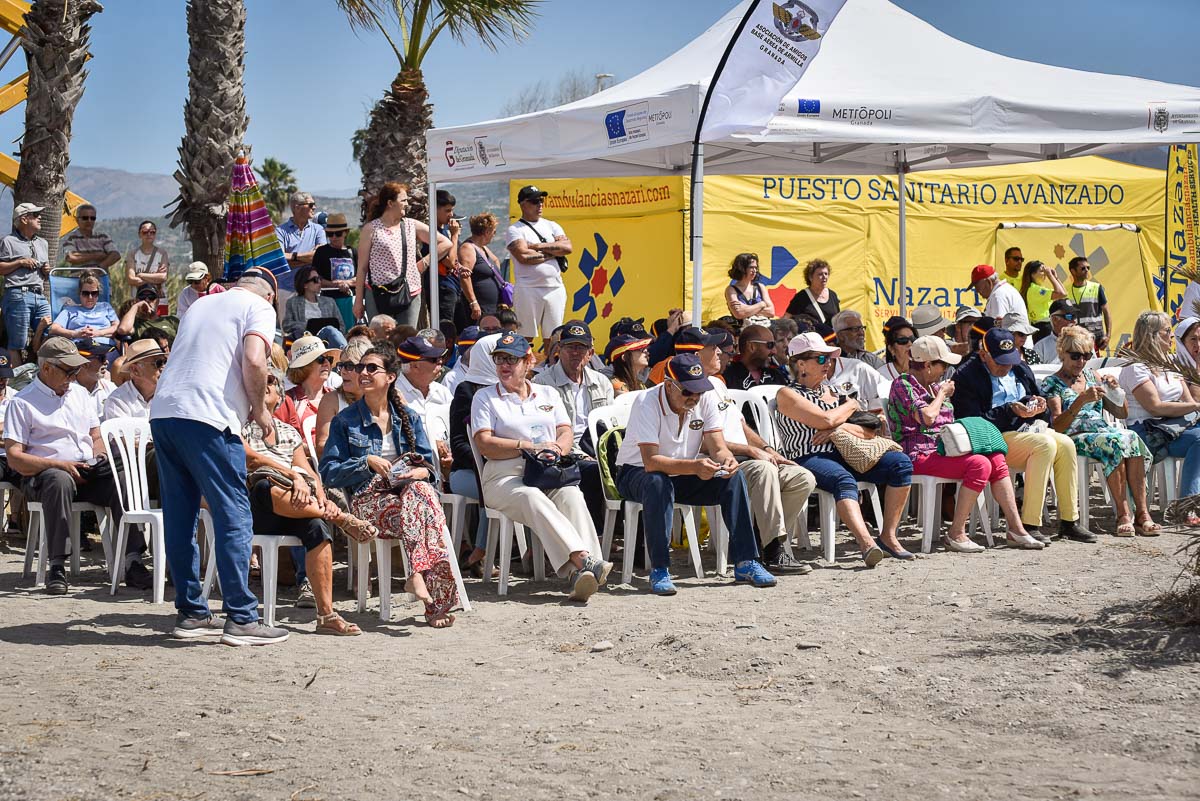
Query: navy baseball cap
{"points": [[468, 336], [6, 370], [416, 348], [1002, 347], [512, 344], [629, 326], [687, 372], [90, 347], [575, 331], [690, 339]]}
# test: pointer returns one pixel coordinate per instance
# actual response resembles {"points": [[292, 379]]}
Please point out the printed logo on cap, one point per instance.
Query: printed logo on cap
{"points": [[696, 425], [1006, 344], [507, 339], [695, 371], [576, 331]]}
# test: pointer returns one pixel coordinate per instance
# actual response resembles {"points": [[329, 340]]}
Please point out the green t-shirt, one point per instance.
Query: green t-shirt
{"points": [[1038, 300]]}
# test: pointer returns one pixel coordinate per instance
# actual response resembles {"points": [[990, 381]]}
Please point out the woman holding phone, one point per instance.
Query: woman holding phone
{"points": [[379, 453]]}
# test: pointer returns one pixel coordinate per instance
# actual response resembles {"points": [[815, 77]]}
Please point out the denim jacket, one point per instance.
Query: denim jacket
{"points": [[353, 436]]}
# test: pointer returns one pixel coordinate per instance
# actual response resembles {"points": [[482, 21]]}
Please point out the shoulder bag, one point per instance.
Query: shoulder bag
{"points": [[504, 290], [395, 297], [547, 470], [562, 260]]}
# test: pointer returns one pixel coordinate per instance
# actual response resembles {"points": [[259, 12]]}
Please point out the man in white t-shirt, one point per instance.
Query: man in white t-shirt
{"points": [[854, 379], [539, 248], [1002, 297], [421, 359], [660, 465], [214, 382]]}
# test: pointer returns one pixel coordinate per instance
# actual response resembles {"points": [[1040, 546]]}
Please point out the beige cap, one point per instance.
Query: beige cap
{"points": [[932, 349], [195, 271], [27, 208], [61, 350]]}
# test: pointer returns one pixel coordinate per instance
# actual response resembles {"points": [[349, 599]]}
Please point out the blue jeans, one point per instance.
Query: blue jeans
{"points": [[658, 494], [835, 476], [1187, 447], [194, 460], [463, 482], [23, 310]]}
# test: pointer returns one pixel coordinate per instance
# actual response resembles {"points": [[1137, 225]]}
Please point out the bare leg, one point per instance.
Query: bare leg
{"points": [[1116, 481], [850, 513], [894, 501], [962, 513], [281, 504], [416, 585], [1006, 496], [319, 564], [1135, 474]]}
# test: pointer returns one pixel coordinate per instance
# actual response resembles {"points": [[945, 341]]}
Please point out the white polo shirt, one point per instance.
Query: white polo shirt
{"points": [[855, 378], [535, 419], [126, 401], [52, 426], [651, 422], [728, 410]]}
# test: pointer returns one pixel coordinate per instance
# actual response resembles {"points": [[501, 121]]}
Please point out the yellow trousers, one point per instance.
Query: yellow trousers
{"points": [[1038, 455]]}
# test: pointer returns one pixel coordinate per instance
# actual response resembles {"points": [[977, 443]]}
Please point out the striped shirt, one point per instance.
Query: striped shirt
{"points": [[795, 438]]}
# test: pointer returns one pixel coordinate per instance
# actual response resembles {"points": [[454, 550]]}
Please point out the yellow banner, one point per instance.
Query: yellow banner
{"points": [[1182, 220], [852, 222], [628, 236]]}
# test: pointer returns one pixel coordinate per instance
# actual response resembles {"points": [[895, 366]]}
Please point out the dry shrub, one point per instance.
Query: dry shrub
{"points": [[1180, 605]]}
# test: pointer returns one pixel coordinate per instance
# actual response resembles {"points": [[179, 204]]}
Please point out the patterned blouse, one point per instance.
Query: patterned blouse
{"points": [[394, 253], [795, 438], [908, 398], [287, 439]]}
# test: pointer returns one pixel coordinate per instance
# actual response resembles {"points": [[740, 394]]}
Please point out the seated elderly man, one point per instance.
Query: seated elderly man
{"points": [[420, 362], [852, 338], [52, 438], [94, 376], [7, 474], [851, 378], [1063, 313], [1000, 387], [660, 464], [143, 364]]}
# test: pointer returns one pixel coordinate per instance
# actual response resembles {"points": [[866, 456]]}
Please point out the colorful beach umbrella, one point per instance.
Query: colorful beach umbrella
{"points": [[250, 239]]}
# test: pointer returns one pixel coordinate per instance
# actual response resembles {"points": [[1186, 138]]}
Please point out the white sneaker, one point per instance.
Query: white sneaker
{"points": [[1024, 542], [962, 546]]}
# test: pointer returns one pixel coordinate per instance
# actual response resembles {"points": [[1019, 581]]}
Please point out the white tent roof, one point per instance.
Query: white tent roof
{"points": [[882, 79]]}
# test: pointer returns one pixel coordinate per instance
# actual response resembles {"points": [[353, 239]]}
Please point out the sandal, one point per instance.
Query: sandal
{"points": [[356, 529], [340, 628], [440, 620], [1125, 529], [1148, 528]]}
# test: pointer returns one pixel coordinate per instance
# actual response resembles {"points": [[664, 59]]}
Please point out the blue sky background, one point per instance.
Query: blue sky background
{"points": [[310, 81]]}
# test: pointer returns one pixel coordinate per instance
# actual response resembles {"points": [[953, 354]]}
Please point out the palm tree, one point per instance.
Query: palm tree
{"points": [[278, 183], [393, 145], [55, 38], [214, 120]]}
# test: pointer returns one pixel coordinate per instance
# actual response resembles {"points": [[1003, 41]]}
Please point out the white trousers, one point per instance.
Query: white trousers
{"points": [[558, 518], [539, 309]]}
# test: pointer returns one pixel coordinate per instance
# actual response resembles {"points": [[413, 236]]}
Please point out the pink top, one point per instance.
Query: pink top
{"points": [[389, 248]]}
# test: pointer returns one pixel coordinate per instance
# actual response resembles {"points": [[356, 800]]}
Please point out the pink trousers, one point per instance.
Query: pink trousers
{"points": [[975, 471]]}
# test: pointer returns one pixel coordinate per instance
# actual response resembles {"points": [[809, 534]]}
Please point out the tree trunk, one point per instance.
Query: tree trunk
{"points": [[215, 121], [55, 38], [394, 144]]}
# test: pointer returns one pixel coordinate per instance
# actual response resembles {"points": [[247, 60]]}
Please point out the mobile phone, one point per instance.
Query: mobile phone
{"points": [[722, 473]]}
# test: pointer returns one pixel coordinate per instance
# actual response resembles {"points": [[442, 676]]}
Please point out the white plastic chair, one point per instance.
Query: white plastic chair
{"points": [[454, 505], [1164, 477], [383, 568], [929, 508], [35, 537], [614, 416], [502, 530], [127, 438], [6, 491]]}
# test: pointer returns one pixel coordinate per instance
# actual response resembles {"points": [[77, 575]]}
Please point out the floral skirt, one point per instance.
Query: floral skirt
{"points": [[1110, 446], [415, 518]]}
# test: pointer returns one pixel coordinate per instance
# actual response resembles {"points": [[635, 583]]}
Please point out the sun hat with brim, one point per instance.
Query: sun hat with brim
{"points": [[687, 372], [625, 343], [416, 348], [62, 352], [305, 350], [966, 313], [141, 350], [811, 342], [932, 349], [927, 320], [691, 339], [1002, 347], [513, 345], [1016, 322], [197, 270], [336, 222]]}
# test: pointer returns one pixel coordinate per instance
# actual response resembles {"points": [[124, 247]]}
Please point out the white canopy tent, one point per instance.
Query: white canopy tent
{"points": [[887, 92]]}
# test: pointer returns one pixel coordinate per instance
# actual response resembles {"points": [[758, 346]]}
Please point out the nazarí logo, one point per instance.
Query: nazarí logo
{"points": [[603, 280]]}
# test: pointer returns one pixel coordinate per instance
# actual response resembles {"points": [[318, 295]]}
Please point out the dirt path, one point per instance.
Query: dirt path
{"points": [[1002, 675]]}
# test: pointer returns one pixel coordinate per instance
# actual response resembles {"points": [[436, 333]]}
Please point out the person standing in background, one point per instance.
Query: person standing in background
{"points": [[539, 248], [199, 284], [481, 286], [299, 238], [146, 264], [87, 248], [1013, 262], [1091, 303], [335, 262], [24, 263]]}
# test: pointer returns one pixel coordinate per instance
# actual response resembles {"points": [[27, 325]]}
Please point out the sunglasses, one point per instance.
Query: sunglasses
{"points": [[819, 358], [309, 204], [1076, 356], [1017, 258], [160, 364], [324, 360], [858, 329], [687, 393], [770, 343], [902, 341], [346, 367], [315, 278], [93, 217], [1063, 315], [505, 358], [89, 293], [369, 369], [335, 233], [69, 372]]}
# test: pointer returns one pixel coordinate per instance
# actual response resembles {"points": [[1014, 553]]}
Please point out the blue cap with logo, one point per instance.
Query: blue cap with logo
{"points": [[1002, 347], [687, 372], [512, 344]]}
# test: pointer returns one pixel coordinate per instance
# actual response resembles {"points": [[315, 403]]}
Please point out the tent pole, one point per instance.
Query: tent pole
{"points": [[901, 168], [697, 211], [434, 313]]}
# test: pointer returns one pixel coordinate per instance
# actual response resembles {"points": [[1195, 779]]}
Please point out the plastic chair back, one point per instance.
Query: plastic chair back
{"points": [[762, 406], [64, 288], [129, 436]]}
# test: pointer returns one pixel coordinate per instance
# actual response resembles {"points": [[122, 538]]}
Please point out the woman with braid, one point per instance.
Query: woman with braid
{"points": [[379, 453]]}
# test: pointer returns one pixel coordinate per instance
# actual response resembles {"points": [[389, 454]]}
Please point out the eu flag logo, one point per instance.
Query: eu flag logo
{"points": [[809, 107], [615, 123]]}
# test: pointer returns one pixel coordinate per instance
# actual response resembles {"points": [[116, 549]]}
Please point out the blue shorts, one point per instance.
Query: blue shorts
{"points": [[23, 309]]}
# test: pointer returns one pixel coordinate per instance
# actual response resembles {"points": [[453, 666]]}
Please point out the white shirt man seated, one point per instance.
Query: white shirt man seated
{"points": [[52, 438], [580, 387], [422, 360], [144, 362]]}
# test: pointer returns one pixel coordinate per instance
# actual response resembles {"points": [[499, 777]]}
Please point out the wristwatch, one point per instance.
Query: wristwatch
{"points": [[293, 256]]}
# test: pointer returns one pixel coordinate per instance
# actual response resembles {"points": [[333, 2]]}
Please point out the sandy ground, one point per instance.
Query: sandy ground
{"points": [[1002, 675]]}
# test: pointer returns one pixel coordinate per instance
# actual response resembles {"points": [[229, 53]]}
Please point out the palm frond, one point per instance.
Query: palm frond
{"points": [[488, 22], [363, 15], [1167, 362]]}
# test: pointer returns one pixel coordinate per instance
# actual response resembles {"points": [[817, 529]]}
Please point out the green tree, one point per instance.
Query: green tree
{"points": [[55, 37], [392, 146], [278, 183]]}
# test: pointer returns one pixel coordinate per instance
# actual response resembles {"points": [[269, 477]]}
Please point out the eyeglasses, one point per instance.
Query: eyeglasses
{"points": [[819, 358], [310, 204], [69, 372], [89, 293], [93, 217], [335, 233], [687, 393], [858, 329], [1076, 356], [369, 369], [324, 360], [770, 343], [505, 358], [902, 341], [160, 364]]}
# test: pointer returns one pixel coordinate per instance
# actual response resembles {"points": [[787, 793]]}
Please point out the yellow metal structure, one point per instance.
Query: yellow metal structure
{"points": [[12, 94]]}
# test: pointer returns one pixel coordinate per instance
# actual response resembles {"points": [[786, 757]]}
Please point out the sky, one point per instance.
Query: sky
{"points": [[310, 80]]}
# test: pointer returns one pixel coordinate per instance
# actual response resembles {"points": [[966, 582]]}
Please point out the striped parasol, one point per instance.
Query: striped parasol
{"points": [[250, 239]]}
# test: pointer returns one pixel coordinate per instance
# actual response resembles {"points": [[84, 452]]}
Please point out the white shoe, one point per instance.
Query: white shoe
{"points": [[1024, 542], [962, 546]]}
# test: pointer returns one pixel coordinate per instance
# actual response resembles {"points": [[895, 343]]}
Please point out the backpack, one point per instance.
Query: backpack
{"points": [[606, 454]]}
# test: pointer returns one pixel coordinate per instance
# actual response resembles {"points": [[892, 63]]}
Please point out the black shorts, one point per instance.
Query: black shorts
{"points": [[311, 532]]}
